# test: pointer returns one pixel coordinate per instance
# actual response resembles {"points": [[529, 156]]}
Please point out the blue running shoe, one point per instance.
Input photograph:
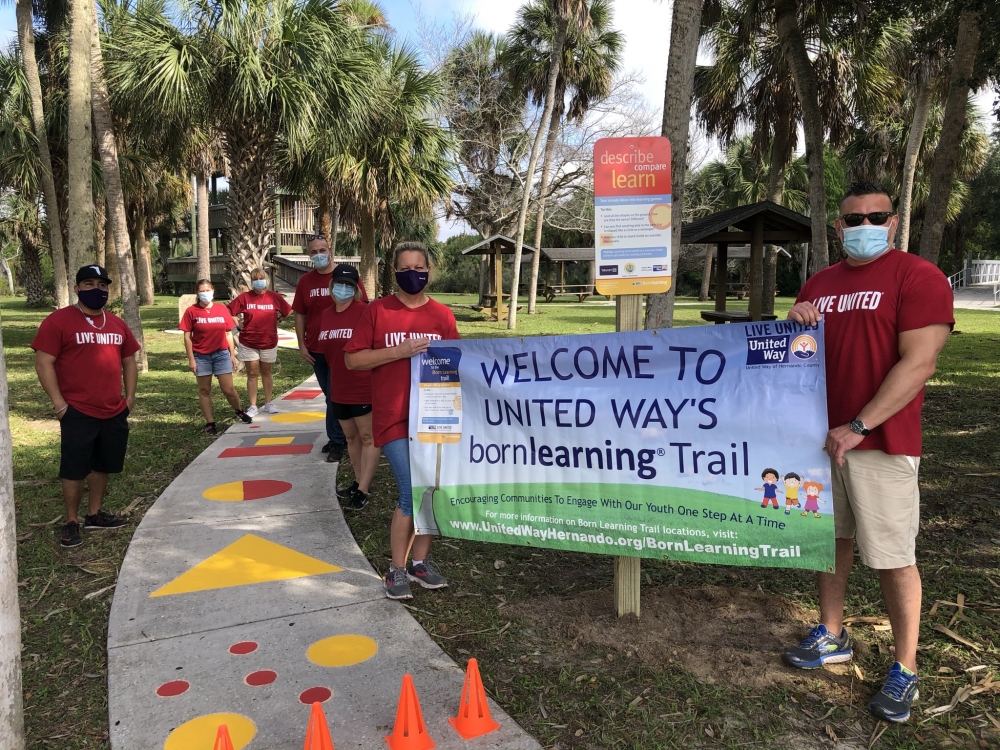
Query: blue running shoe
{"points": [[820, 647], [893, 701]]}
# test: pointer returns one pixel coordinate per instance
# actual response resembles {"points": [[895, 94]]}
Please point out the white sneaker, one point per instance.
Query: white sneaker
{"points": [[251, 411], [270, 408]]}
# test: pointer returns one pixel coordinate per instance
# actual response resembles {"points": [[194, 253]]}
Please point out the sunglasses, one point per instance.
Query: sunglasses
{"points": [[878, 218], [312, 237]]}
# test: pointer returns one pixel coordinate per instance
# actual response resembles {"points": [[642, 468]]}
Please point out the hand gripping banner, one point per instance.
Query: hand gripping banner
{"points": [[702, 444]]}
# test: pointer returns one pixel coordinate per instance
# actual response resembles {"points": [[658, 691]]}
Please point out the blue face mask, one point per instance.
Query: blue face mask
{"points": [[206, 297], [342, 292], [259, 284], [320, 260], [866, 242]]}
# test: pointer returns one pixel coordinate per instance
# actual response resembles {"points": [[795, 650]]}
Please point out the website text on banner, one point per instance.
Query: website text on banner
{"points": [[700, 444], [632, 215]]}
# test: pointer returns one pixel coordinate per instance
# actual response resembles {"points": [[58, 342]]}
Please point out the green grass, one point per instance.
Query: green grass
{"points": [[589, 695]]}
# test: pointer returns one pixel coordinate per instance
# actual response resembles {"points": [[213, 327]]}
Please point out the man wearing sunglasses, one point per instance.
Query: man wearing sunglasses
{"points": [[887, 315]]}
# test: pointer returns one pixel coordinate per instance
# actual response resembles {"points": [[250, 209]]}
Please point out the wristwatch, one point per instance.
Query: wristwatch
{"points": [[857, 426]]}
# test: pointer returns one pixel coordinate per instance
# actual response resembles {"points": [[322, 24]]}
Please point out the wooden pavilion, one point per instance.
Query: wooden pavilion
{"points": [[495, 247], [759, 224]]}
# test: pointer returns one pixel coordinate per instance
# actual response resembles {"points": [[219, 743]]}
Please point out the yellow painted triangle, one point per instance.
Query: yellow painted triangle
{"points": [[250, 559]]}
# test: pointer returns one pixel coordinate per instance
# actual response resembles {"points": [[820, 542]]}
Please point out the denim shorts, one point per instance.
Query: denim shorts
{"points": [[216, 363], [397, 453]]}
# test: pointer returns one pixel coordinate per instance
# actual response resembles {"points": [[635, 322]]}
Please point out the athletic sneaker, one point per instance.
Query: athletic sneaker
{"points": [[396, 586], [210, 429], [270, 408], [346, 490], [893, 701], [426, 575], [251, 411], [103, 521], [357, 500], [71, 535], [244, 417], [326, 448], [337, 451], [820, 647]]}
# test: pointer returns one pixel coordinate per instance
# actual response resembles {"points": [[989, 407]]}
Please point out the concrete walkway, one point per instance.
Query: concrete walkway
{"points": [[243, 598], [976, 298]]}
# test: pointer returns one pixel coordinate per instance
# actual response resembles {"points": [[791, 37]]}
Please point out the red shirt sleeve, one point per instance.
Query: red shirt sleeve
{"points": [[925, 299], [364, 332], [299, 300], [283, 307], [186, 324], [47, 339], [236, 306], [230, 323]]}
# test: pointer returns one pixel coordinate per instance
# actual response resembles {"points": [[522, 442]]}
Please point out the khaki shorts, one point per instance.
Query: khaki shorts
{"points": [[247, 354], [876, 499]]}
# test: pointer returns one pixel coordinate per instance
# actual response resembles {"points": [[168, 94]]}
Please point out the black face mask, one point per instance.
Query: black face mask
{"points": [[95, 298], [412, 282]]}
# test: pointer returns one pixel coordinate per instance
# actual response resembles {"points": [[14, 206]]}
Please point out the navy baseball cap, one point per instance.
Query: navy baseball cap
{"points": [[92, 272], [345, 273]]}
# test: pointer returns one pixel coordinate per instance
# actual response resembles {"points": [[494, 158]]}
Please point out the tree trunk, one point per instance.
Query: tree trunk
{"points": [[323, 224], [335, 227], [684, 27], [950, 141], [11, 706], [388, 274], [781, 153], [81, 141], [30, 272], [368, 264], [706, 275], [203, 175], [550, 149], [143, 258], [117, 223], [250, 208], [100, 230], [26, 39], [921, 111], [111, 257], [484, 279], [793, 46], [550, 95]]}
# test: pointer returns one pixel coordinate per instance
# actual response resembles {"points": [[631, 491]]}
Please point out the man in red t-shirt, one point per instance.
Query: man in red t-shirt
{"points": [[887, 315], [82, 356], [312, 297]]}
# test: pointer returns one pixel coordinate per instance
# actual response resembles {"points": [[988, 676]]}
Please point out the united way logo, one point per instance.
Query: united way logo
{"points": [[629, 268], [804, 347]]}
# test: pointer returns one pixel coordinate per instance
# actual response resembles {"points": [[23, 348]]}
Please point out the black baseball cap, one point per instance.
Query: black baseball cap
{"points": [[92, 272], [345, 273]]}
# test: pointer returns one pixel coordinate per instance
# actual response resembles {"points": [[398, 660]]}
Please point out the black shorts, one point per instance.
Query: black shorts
{"points": [[92, 444], [349, 411]]}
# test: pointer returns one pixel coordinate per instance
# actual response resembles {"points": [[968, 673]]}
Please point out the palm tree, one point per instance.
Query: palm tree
{"points": [[400, 157], [26, 42], [80, 136], [590, 59], [115, 197], [259, 74], [922, 89], [565, 13], [677, 92]]}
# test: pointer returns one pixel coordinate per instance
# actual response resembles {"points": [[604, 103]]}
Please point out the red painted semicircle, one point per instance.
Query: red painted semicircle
{"points": [[256, 489]]}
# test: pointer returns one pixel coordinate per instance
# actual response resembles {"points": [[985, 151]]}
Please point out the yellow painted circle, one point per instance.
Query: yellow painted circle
{"points": [[200, 733], [659, 216], [294, 417], [228, 492], [342, 650]]}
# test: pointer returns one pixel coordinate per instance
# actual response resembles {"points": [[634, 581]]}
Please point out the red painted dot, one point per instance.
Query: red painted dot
{"points": [[243, 647], [262, 677], [170, 689], [255, 427], [315, 695]]}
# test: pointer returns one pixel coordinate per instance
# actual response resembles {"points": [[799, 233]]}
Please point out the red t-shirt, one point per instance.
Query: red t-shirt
{"points": [[312, 297], [208, 327], [388, 322], [260, 317], [88, 360], [336, 329], [865, 308]]}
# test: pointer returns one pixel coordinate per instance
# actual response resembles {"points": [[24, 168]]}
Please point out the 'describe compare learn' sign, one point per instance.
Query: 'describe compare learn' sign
{"points": [[701, 444], [632, 213]]}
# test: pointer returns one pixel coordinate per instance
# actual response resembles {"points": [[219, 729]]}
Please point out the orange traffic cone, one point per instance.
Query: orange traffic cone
{"points": [[473, 717], [222, 739], [410, 732], [318, 732]]}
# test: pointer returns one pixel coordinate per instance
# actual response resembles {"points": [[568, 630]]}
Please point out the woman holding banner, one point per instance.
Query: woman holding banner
{"points": [[412, 319]]}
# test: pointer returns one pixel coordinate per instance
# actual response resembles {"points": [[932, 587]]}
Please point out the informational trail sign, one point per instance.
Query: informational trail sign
{"points": [[632, 213], [701, 444]]}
